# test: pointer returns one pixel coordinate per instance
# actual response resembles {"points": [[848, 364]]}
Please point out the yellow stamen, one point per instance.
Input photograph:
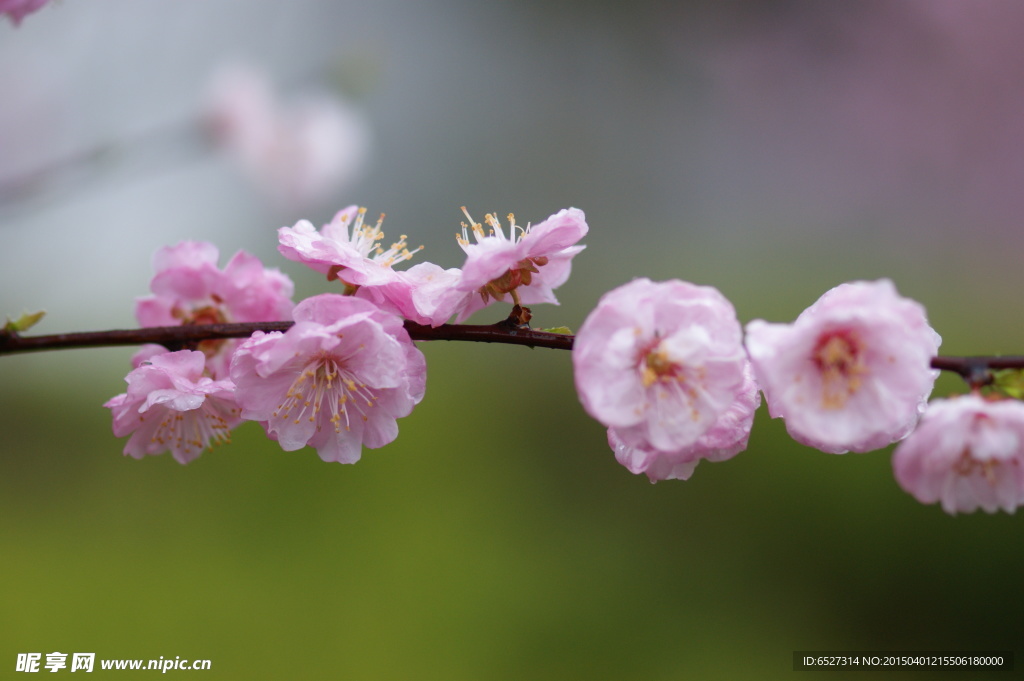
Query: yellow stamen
{"points": [[840, 359]]}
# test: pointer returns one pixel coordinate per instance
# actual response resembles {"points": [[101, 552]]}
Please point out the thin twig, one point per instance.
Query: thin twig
{"points": [[505, 331], [181, 336]]}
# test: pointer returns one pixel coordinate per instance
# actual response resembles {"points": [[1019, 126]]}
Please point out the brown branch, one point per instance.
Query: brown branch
{"points": [[964, 365], [977, 370], [972, 369], [183, 336]]}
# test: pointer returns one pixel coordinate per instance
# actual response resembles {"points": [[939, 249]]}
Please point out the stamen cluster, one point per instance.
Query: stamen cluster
{"points": [[528, 264]]}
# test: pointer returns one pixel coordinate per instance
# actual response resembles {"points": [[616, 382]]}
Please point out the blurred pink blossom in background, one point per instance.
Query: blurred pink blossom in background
{"points": [[17, 9], [297, 151]]}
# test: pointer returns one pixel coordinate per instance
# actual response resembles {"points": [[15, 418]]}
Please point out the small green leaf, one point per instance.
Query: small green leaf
{"points": [[1010, 381], [23, 323], [564, 330]]}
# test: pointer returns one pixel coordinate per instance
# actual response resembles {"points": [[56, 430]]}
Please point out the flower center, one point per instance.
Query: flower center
{"points": [[213, 312], [657, 366], [199, 428], [514, 277], [839, 357], [672, 381], [967, 466], [520, 274], [326, 385], [209, 313], [365, 239]]}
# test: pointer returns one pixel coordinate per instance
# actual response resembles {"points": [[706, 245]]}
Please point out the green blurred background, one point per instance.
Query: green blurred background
{"points": [[772, 150]]}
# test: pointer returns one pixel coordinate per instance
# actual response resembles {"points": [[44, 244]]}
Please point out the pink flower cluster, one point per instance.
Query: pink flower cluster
{"points": [[527, 265], [663, 366], [666, 367], [343, 374]]}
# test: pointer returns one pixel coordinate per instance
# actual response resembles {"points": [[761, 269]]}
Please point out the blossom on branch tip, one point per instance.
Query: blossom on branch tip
{"points": [[336, 380], [967, 453], [852, 373], [662, 366], [171, 405], [532, 261]]}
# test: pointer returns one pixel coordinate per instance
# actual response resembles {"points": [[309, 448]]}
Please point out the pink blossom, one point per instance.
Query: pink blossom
{"points": [[241, 112], [966, 453], [17, 9], [852, 373], [335, 381], [532, 261], [171, 405], [663, 366], [357, 258], [726, 438], [425, 294], [299, 151], [188, 288]]}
